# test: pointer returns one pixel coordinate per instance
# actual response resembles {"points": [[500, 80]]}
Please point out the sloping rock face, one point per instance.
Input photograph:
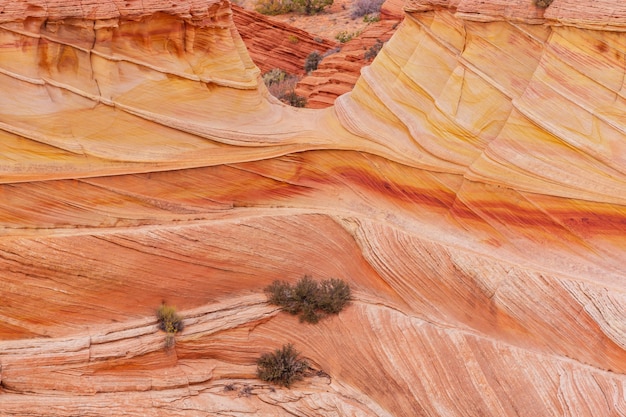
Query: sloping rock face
{"points": [[470, 189], [273, 44], [339, 70]]}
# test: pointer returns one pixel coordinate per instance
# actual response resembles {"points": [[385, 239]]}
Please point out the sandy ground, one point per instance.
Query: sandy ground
{"points": [[326, 24]]}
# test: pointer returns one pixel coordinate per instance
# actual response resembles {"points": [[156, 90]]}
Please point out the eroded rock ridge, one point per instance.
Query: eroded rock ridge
{"points": [[471, 189]]}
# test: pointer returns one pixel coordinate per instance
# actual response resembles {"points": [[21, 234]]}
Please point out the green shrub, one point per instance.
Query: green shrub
{"points": [[344, 36], [543, 3], [170, 322], [312, 61], [274, 76], [371, 18], [308, 298], [282, 367], [273, 7], [311, 7]]}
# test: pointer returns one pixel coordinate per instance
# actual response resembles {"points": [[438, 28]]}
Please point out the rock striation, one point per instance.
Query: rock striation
{"points": [[471, 189], [340, 68], [272, 44]]}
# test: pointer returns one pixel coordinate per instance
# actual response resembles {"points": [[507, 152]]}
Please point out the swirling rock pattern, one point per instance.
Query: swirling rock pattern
{"points": [[470, 189]]}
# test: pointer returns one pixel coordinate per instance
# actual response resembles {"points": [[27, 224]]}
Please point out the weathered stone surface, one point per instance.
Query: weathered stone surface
{"points": [[340, 68], [470, 189], [273, 44]]}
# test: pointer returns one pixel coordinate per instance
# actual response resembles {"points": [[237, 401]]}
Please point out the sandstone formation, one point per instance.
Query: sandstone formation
{"points": [[471, 189], [273, 44], [340, 68]]}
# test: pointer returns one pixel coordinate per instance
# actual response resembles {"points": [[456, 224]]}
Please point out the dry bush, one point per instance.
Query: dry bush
{"points": [[170, 322], [282, 367], [273, 7], [312, 61], [282, 85], [308, 298], [364, 7], [543, 3]]}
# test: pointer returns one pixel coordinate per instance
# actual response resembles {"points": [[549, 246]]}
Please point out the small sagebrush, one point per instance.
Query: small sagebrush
{"points": [[273, 7], [282, 85], [170, 322], [312, 61], [309, 299], [373, 50], [283, 366]]}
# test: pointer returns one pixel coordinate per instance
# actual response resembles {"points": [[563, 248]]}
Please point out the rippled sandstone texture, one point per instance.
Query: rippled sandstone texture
{"points": [[470, 189]]}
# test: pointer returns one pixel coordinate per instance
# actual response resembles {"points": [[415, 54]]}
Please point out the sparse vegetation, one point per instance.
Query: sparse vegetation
{"points": [[274, 76], [331, 51], [273, 7], [311, 7], [308, 298], [170, 322], [344, 36], [312, 61], [543, 3], [371, 18], [245, 391], [373, 50], [283, 366], [365, 7], [293, 39], [281, 85], [293, 99]]}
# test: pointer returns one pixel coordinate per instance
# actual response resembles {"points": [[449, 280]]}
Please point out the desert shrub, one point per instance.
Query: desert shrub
{"points": [[170, 322], [543, 3], [273, 7], [312, 61], [245, 391], [283, 366], [293, 39], [333, 295], [311, 7], [293, 99], [274, 76], [331, 52], [365, 7], [308, 298], [282, 85], [344, 36], [373, 50], [371, 18]]}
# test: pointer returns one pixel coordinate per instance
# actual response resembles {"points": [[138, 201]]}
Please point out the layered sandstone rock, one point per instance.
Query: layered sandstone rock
{"points": [[273, 44], [340, 68], [470, 189]]}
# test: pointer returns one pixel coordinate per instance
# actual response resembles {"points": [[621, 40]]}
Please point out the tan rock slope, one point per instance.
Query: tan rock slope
{"points": [[471, 189]]}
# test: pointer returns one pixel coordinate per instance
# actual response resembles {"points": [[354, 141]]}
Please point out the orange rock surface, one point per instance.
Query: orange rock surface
{"points": [[470, 189], [340, 68], [273, 44]]}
